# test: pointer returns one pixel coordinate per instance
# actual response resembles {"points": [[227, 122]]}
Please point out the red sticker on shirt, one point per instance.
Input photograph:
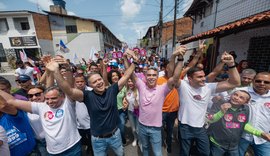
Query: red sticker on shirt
{"points": [[267, 104], [48, 115], [228, 117], [197, 97], [242, 118]]}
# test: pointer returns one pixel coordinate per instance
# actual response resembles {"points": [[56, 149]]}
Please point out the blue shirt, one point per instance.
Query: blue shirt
{"points": [[102, 110], [20, 135]]}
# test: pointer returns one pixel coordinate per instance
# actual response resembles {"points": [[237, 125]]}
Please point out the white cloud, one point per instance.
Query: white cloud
{"points": [[2, 6], [43, 4], [130, 8], [71, 13]]}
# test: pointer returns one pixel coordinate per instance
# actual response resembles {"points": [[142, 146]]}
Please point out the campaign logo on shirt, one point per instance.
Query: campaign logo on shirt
{"points": [[228, 117], [48, 115], [59, 113], [15, 137], [197, 97], [242, 118], [232, 125], [267, 104], [128, 94]]}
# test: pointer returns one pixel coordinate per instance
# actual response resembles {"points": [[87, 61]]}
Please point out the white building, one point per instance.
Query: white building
{"points": [[24, 30], [242, 26]]}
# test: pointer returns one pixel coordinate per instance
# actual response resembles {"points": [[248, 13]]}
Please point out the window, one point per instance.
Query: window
{"points": [[21, 23], [71, 29], [3, 25]]}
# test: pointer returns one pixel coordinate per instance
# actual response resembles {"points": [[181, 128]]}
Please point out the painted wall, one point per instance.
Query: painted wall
{"points": [[240, 42], [12, 32], [229, 11], [82, 46], [85, 26]]}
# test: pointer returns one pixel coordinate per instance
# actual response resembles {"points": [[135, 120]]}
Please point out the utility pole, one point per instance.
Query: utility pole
{"points": [[160, 26], [174, 23]]}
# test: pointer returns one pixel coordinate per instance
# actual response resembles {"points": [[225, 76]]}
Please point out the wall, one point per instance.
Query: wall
{"points": [[42, 26], [229, 11], [259, 53], [85, 26], [82, 46], [240, 42], [12, 32]]}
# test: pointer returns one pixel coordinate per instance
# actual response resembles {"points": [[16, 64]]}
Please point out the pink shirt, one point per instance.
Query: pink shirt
{"points": [[151, 102]]}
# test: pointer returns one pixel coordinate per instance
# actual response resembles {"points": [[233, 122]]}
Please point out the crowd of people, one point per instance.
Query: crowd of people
{"points": [[59, 106]]}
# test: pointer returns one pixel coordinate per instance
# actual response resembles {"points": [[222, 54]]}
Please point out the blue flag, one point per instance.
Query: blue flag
{"points": [[63, 47]]}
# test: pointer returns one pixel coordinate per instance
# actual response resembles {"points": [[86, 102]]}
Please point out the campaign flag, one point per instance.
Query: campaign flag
{"points": [[23, 56], [63, 47], [75, 59]]}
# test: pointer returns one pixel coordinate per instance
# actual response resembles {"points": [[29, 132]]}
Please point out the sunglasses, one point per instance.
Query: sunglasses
{"points": [[260, 81], [36, 95], [22, 81]]}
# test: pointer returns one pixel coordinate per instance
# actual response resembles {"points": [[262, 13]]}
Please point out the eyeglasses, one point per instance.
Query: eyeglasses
{"points": [[22, 81], [260, 81], [36, 95]]}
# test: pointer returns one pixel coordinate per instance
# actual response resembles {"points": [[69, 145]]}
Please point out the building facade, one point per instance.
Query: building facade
{"points": [[24, 31], [232, 25], [151, 38]]}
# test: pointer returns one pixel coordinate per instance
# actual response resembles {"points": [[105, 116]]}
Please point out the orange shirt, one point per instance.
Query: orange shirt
{"points": [[171, 103]]}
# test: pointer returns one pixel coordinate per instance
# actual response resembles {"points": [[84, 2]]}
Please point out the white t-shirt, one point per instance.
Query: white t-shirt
{"points": [[259, 114], [83, 118], [194, 103], [59, 125], [26, 71], [131, 99], [36, 125], [4, 149]]}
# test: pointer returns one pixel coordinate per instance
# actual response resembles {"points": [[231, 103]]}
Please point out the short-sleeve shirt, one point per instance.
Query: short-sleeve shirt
{"points": [[102, 110], [83, 118], [20, 135], [171, 103], [4, 149], [194, 103], [259, 114], [151, 102], [59, 125]]}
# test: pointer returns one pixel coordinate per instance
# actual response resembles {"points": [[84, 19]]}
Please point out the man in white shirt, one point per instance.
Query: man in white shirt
{"points": [[58, 120], [83, 118], [194, 98], [259, 115], [4, 149], [25, 70]]}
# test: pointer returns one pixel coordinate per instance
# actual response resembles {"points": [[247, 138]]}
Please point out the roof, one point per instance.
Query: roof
{"points": [[232, 27], [197, 5], [72, 16], [19, 12], [87, 19]]}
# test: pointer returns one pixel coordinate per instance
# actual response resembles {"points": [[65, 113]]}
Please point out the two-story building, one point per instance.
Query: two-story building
{"points": [[151, 38], [82, 36], [24, 31], [242, 26]]}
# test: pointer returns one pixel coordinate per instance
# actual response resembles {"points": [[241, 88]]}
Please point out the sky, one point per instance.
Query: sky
{"points": [[128, 20]]}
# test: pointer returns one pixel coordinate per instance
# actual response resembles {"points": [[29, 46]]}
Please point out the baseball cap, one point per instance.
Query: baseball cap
{"points": [[24, 78]]}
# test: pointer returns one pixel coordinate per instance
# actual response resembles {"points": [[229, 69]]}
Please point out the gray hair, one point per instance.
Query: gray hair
{"points": [[60, 92], [249, 72]]}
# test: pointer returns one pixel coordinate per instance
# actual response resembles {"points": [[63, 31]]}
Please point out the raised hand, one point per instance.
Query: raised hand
{"points": [[202, 45], [52, 66], [224, 107], [180, 51], [227, 58]]}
